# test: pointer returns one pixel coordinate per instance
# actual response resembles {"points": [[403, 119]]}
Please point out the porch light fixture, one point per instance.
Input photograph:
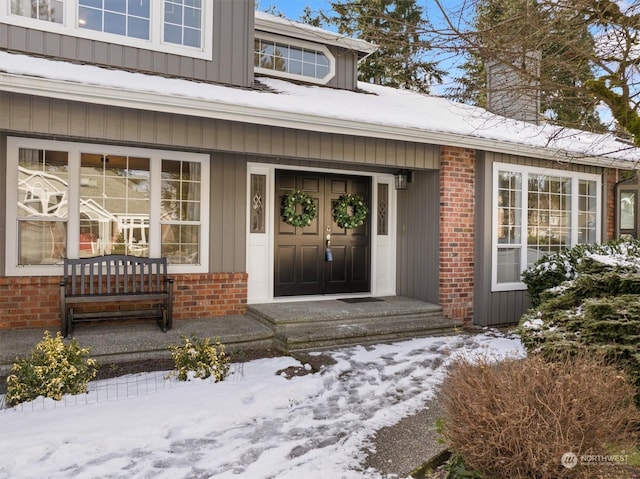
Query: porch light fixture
{"points": [[402, 179]]}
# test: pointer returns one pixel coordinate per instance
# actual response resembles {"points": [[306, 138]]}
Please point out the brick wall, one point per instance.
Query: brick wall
{"points": [[610, 179], [457, 237], [34, 302]]}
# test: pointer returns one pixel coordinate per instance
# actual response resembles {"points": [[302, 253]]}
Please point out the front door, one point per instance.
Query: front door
{"points": [[321, 258]]}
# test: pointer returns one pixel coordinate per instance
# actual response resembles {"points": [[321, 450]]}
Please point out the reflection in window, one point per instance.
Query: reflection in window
{"points": [[180, 211], [114, 205], [509, 226], [587, 210], [129, 18], [183, 22], [549, 215], [627, 210], [280, 57], [383, 202], [43, 177], [538, 213], [47, 10]]}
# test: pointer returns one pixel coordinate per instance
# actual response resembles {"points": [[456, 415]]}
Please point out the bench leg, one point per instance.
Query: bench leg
{"points": [[65, 326]]}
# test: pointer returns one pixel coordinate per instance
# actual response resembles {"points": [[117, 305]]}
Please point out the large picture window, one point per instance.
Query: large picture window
{"points": [[79, 200], [183, 27], [537, 212]]}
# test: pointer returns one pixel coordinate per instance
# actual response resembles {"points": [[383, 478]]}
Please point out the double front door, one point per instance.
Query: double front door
{"points": [[321, 258]]}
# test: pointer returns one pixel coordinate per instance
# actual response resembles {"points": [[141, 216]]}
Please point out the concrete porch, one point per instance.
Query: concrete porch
{"points": [[273, 327]]}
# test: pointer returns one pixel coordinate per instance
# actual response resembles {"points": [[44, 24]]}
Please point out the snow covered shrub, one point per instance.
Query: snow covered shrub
{"points": [[517, 418], [198, 358], [552, 270], [53, 369], [599, 311]]}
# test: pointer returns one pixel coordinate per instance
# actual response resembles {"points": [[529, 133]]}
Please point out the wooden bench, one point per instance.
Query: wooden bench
{"points": [[94, 288]]}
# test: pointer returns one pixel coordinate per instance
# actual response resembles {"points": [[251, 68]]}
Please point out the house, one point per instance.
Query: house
{"points": [[182, 129]]}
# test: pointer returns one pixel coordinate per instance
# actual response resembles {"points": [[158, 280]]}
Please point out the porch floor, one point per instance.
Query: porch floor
{"points": [[266, 328]]}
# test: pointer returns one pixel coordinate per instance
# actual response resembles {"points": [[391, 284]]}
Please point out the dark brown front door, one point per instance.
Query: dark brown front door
{"points": [[302, 265]]}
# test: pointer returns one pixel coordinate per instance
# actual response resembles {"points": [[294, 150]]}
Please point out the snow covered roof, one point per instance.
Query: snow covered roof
{"points": [[283, 26], [374, 112]]}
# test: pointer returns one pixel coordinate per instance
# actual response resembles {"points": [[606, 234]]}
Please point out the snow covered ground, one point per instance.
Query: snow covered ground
{"points": [[256, 424]]}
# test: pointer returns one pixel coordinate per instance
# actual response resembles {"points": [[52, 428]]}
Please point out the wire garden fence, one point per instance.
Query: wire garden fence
{"points": [[113, 389]]}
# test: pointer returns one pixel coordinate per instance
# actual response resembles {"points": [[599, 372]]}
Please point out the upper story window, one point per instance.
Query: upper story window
{"points": [[120, 17], [293, 59], [183, 27]]}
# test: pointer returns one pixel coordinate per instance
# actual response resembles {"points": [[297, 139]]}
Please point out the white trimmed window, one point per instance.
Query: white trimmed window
{"points": [[79, 200], [183, 27], [537, 212], [298, 60]]}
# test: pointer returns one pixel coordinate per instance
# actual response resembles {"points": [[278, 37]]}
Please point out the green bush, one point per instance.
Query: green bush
{"points": [[198, 358], [53, 369], [553, 270], [516, 418], [598, 309]]}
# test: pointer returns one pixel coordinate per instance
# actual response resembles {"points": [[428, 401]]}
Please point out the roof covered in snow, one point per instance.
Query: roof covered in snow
{"points": [[374, 111]]}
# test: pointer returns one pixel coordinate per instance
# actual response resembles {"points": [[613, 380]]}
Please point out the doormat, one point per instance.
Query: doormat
{"points": [[360, 300]]}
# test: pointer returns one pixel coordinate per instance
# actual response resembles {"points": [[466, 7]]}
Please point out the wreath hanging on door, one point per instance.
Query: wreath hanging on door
{"points": [[341, 211], [290, 206]]}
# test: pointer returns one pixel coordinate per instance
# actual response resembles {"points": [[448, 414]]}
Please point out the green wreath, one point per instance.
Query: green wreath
{"points": [[341, 211], [309, 209]]}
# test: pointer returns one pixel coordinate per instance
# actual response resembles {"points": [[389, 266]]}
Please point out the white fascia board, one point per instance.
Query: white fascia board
{"points": [[150, 101], [288, 28]]}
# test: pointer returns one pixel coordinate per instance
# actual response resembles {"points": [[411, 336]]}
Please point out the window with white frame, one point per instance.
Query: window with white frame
{"points": [[537, 212], [80, 200], [176, 26], [296, 60]]}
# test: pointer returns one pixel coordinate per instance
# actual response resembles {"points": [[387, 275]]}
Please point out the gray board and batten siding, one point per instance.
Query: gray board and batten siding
{"points": [[230, 144], [503, 307], [232, 49], [418, 238], [232, 62]]}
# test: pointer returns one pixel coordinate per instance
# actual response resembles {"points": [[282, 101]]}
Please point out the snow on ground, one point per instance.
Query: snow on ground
{"points": [[256, 424]]}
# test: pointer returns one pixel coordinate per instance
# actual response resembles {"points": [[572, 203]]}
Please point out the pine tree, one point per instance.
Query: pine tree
{"points": [[396, 26], [506, 30]]}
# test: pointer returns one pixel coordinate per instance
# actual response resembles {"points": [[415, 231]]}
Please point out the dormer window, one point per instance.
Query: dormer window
{"points": [[293, 59], [181, 27]]}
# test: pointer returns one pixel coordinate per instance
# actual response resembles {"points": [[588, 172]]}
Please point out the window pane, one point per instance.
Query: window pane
{"points": [[120, 17], [114, 23], [42, 206], [47, 10], [509, 208], [627, 210], [139, 8], [90, 18], [508, 265], [183, 23], [138, 28], [548, 215], [257, 206], [42, 242], [587, 210], [291, 59], [119, 6], [180, 211], [114, 205]]}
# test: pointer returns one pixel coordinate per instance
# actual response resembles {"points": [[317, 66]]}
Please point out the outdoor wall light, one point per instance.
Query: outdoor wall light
{"points": [[402, 179]]}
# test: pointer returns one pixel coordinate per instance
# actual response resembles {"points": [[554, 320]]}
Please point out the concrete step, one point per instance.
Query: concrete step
{"points": [[324, 324]]}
